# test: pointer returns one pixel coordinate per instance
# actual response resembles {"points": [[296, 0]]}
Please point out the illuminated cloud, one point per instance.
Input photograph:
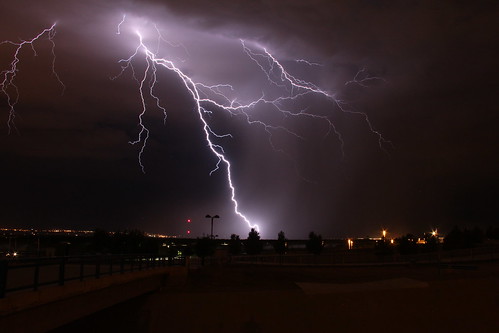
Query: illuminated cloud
{"points": [[424, 57]]}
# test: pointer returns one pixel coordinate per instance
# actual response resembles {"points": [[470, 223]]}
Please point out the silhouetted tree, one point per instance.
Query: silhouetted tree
{"points": [[281, 245], [129, 241], [235, 246], [172, 252], [476, 236], [101, 241], [431, 244], [205, 247], [187, 251], [384, 247], [454, 239], [253, 245], [492, 232], [314, 244], [407, 244], [459, 239], [133, 241]]}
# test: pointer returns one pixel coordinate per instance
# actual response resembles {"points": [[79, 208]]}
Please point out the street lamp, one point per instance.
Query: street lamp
{"points": [[212, 217]]}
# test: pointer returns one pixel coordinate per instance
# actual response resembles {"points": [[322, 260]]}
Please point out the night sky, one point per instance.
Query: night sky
{"points": [[70, 163]]}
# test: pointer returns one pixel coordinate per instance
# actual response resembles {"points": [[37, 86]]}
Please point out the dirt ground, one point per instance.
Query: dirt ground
{"points": [[409, 298]]}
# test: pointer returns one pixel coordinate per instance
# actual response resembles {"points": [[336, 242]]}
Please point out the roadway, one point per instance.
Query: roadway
{"points": [[406, 298]]}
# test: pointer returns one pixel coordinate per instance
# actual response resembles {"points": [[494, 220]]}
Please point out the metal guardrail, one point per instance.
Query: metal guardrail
{"points": [[353, 257], [32, 273]]}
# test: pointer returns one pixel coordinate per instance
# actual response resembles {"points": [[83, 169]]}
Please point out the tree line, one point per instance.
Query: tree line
{"points": [[253, 245], [455, 239], [135, 241]]}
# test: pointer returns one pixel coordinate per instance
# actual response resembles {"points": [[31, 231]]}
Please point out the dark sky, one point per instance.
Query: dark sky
{"points": [[70, 164]]}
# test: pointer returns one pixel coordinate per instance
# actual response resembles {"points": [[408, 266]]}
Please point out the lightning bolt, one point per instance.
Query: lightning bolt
{"points": [[152, 64], [118, 28], [8, 76], [207, 98], [277, 75]]}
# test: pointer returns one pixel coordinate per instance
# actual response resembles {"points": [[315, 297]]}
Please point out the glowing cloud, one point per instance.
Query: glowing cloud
{"points": [[281, 94]]}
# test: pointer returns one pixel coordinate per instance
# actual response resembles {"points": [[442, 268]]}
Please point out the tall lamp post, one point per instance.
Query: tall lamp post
{"points": [[212, 217]]}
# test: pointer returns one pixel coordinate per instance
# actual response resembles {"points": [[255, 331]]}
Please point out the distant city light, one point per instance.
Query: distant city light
{"points": [[68, 232]]}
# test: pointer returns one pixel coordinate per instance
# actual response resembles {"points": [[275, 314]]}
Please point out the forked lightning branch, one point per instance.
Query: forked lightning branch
{"points": [[207, 98]]}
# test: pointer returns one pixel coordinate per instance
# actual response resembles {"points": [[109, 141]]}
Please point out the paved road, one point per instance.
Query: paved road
{"points": [[270, 299]]}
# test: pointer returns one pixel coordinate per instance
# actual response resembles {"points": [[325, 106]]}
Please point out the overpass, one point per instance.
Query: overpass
{"points": [[40, 294]]}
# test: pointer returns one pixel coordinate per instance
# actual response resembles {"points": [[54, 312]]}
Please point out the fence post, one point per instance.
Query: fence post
{"points": [[62, 267], [111, 265], [97, 267], [37, 274], [122, 265], [82, 267], [3, 277]]}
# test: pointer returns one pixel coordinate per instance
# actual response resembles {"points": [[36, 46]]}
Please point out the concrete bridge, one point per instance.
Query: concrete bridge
{"points": [[47, 304]]}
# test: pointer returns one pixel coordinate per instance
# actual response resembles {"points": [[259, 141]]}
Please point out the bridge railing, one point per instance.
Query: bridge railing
{"points": [[352, 257], [33, 273]]}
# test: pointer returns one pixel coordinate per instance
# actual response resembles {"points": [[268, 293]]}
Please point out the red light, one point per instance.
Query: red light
{"points": [[188, 231], [188, 220]]}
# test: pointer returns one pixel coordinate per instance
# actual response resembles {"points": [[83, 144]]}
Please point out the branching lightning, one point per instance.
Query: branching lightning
{"points": [[8, 86], [194, 89], [207, 98]]}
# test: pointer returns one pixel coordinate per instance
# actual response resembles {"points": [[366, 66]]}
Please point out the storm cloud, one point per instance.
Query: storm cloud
{"points": [[72, 165]]}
